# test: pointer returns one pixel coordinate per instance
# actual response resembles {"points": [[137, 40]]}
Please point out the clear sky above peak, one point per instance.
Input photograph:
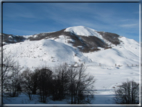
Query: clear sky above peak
{"points": [[32, 18]]}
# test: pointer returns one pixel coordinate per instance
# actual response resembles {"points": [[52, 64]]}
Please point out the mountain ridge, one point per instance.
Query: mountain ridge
{"points": [[59, 47], [80, 36]]}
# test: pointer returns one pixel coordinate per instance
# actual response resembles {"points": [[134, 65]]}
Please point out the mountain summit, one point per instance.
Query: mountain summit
{"points": [[83, 31]]}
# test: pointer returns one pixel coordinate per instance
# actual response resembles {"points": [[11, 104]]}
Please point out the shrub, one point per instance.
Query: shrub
{"points": [[127, 93]]}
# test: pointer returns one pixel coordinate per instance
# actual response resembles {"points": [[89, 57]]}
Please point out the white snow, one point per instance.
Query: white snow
{"points": [[27, 36], [34, 54], [10, 37], [83, 31], [125, 54]]}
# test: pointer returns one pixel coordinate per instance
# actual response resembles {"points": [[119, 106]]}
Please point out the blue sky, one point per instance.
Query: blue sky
{"points": [[32, 18]]}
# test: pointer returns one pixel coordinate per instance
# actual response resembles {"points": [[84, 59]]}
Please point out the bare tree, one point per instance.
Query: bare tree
{"points": [[44, 83], [60, 85], [127, 93], [7, 65], [80, 85], [27, 82], [30, 80], [13, 82], [72, 75], [74, 83], [10, 75]]}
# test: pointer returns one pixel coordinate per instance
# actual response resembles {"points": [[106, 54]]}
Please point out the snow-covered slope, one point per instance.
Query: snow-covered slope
{"points": [[60, 47], [33, 54]]}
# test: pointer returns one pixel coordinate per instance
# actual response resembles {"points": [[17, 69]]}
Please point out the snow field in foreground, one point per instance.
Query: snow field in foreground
{"points": [[106, 80]]}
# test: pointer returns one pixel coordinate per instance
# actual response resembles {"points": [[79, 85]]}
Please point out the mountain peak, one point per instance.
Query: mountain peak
{"points": [[81, 30], [77, 27]]}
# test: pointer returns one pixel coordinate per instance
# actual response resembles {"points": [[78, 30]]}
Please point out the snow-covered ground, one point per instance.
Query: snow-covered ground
{"points": [[107, 79]]}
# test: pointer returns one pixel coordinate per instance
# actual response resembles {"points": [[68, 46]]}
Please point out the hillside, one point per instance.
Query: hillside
{"points": [[74, 45]]}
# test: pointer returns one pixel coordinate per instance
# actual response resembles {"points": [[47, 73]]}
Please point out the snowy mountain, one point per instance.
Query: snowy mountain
{"points": [[72, 45], [110, 58]]}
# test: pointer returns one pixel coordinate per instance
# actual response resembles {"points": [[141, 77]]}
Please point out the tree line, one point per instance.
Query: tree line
{"points": [[64, 82]]}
